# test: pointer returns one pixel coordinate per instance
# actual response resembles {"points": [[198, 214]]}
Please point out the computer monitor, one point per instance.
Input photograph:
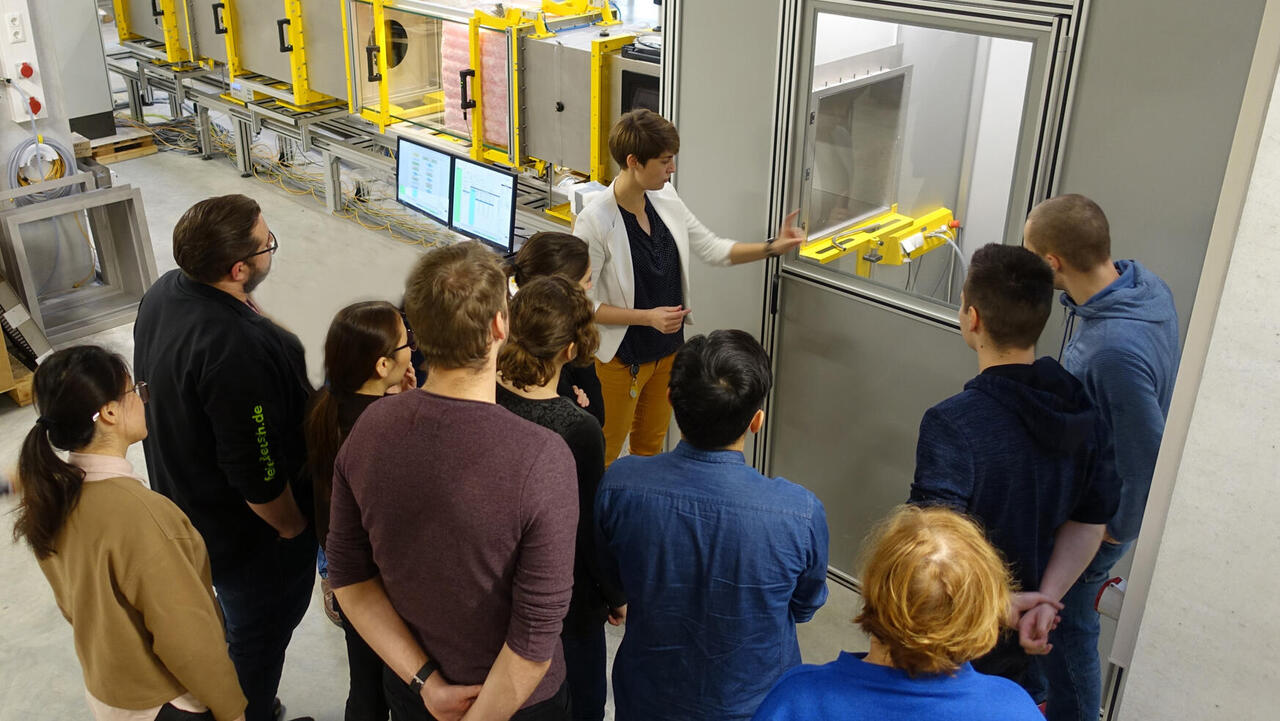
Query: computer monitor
{"points": [[484, 202], [423, 179]]}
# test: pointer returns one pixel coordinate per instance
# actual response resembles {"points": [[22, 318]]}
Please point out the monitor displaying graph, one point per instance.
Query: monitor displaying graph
{"points": [[484, 202], [422, 179]]}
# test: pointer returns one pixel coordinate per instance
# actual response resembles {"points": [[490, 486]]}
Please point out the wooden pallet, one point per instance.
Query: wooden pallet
{"points": [[20, 393], [15, 379], [127, 144]]}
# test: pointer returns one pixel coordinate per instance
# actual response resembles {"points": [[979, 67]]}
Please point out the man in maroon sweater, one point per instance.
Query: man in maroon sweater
{"points": [[451, 540]]}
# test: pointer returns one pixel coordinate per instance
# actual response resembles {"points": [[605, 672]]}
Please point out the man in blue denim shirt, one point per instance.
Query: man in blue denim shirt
{"points": [[719, 563]]}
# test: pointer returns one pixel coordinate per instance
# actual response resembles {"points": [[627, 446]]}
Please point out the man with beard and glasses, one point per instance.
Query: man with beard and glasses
{"points": [[230, 389]]}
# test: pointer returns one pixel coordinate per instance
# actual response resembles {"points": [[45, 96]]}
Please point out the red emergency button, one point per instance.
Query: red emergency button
{"points": [[35, 106], [26, 71]]}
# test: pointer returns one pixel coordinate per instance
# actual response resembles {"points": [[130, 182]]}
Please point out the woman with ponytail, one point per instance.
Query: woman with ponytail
{"points": [[552, 324], [366, 355], [566, 256], [127, 568]]}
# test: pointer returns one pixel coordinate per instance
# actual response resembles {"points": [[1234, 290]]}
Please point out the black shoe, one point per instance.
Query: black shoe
{"points": [[277, 712]]}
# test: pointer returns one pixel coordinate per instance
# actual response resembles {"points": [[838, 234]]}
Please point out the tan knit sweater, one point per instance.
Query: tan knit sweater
{"points": [[132, 576]]}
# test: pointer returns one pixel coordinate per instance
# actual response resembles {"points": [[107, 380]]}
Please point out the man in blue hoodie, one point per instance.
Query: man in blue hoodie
{"points": [[1121, 341], [1020, 449]]}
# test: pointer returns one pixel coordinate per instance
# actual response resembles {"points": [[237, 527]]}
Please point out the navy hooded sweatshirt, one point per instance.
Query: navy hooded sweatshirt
{"points": [[1021, 451], [1125, 351]]}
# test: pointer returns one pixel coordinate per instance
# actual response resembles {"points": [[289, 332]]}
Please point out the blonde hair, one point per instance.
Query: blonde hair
{"points": [[935, 591]]}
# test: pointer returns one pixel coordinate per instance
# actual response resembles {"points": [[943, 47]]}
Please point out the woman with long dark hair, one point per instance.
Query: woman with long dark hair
{"points": [[552, 325], [567, 256], [366, 355], [127, 568]]}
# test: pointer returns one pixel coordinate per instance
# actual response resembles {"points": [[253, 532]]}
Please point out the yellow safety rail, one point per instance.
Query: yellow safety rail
{"points": [[879, 240]]}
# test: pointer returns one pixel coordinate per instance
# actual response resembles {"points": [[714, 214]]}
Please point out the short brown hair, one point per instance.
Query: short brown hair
{"points": [[1012, 288], [644, 134], [213, 235], [451, 297], [547, 314], [1073, 228], [934, 590], [551, 253]]}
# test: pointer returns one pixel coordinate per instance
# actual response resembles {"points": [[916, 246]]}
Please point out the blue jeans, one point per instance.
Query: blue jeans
{"points": [[263, 599], [1073, 669]]}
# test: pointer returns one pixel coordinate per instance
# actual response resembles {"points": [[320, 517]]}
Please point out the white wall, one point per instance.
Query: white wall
{"points": [[1206, 564], [840, 36], [1003, 95]]}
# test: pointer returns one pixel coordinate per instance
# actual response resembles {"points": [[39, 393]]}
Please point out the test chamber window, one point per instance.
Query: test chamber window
{"points": [[909, 150]]}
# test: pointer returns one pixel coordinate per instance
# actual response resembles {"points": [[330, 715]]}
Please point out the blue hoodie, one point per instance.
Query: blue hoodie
{"points": [[1125, 351], [1021, 451]]}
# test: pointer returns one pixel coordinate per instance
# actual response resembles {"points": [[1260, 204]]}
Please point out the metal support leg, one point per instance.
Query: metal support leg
{"points": [[204, 129], [175, 103], [244, 138], [333, 183], [135, 98]]}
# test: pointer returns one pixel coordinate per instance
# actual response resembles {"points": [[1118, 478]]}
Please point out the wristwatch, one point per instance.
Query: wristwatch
{"points": [[768, 248], [420, 677]]}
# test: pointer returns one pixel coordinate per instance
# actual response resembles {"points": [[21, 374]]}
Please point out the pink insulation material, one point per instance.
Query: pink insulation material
{"points": [[455, 57]]}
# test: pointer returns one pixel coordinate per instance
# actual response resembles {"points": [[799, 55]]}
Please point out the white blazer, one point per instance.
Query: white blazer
{"points": [[600, 224]]}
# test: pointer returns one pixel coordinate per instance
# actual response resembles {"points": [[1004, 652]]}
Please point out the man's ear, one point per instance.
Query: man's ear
{"points": [[498, 327], [757, 422], [972, 319]]}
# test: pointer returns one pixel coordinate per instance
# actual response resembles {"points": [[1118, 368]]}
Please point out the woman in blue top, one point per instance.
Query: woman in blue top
{"points": [[935, 594]]}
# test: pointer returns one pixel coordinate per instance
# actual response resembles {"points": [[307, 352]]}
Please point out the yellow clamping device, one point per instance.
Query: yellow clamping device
{"points": [[887, 239]]}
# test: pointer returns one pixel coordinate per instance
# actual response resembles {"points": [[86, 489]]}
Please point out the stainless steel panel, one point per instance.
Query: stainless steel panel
{"points": [[556, 102], [852, 380], [201, 20], [326, 59], [259, 39], [143, 22]]}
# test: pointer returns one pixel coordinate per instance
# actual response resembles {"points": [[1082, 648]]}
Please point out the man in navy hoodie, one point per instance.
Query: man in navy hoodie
{"points": [[1020, 450], [1121, 341]]}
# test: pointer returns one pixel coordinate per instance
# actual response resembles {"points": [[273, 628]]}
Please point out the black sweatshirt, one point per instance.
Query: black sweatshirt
{"points": [[229, 390], [593, 596]]}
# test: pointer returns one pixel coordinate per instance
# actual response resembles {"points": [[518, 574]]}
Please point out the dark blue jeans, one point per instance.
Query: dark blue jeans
{"points": [[1073, 669], [263, 599], [584, 660]]}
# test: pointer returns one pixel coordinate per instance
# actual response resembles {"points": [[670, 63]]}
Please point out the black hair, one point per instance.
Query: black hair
{"points": [[718, 382], [1012, 288], [69, 387]]}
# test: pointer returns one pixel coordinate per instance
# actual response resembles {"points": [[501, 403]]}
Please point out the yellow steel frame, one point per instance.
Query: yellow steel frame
{"points": [[352, 88], [302, 92], [600, 49], [122, 19], [883, 234], [231, 20]]}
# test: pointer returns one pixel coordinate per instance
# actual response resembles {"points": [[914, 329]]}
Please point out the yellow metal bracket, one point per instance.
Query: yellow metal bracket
{"points": [[600, 49], [879, 240], [607, 15], [302, 93], [231, 20], [122, 20]]}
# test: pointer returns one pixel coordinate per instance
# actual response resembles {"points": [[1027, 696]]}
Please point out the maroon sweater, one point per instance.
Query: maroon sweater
{"points": [[468, 513]]}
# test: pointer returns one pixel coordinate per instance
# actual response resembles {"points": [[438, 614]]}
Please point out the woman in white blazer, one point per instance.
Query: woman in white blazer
{"points": [[640, 234]]}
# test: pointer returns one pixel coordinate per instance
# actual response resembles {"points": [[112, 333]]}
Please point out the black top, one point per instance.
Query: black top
{"points": [[584, 377], [229, 390], [655, 262], [593, 596], [1021, 451], [350, 406]]}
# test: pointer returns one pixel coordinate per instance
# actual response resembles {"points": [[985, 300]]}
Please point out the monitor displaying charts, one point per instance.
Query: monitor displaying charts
{"points": [[484, 202], [423, 179]]}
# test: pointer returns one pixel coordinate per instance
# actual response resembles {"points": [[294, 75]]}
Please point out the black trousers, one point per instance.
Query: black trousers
{"points": [[366, 699], [173, 713], [407, 705]]}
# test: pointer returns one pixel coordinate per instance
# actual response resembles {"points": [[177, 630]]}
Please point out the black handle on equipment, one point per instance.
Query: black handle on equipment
{"points": [[285, 46], [219, 25], [155, 9], [371, 57], [467, 103]]}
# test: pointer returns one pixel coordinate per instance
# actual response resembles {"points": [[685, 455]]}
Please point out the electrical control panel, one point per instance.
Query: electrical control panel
{"points": [[19, 65]]}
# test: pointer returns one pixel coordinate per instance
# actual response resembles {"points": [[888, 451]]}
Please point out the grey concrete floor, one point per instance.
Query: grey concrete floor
{"points": [[324, 263]]}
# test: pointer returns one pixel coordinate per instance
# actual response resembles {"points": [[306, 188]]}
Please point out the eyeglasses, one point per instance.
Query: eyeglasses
{"points": [[411, 343], [144, 395], [273, 246]]}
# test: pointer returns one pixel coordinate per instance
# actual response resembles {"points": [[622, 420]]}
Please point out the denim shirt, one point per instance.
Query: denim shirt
{"points": [[719, 563]]}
